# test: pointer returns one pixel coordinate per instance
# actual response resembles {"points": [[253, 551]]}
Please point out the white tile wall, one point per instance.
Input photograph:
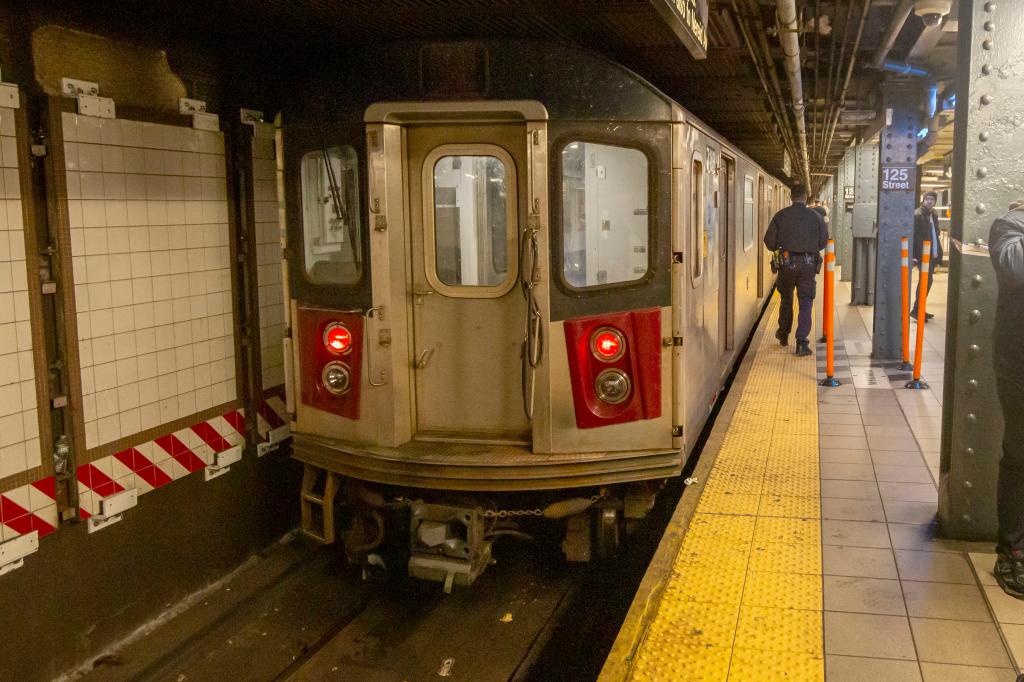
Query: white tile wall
{"points": [[148, 211], [19, 422], [268, 256]]}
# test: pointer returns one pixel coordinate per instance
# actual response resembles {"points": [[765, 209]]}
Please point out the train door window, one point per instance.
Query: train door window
{"points": [[473, 231], [331, 216], [605, 226], [698, 242], [748, 212]]}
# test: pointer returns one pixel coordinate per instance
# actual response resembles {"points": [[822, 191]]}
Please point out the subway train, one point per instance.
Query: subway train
{"points": [[518, 276]]}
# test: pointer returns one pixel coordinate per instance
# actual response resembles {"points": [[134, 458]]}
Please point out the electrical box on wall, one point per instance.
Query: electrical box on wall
{"points": [[13, 552], [112, 508], [222, 462]]}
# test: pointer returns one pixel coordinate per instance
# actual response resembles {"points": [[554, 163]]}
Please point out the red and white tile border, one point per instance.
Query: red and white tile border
{"points": [[145, 467]]}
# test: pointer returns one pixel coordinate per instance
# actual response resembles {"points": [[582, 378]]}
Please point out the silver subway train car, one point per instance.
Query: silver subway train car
{"points": [[518, 276]]}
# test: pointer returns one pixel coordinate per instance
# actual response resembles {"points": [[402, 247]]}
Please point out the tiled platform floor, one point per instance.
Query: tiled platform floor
{"points": [[899, 603]]}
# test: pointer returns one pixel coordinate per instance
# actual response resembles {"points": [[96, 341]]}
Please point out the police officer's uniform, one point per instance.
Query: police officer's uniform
{"points": [[801, 234]]}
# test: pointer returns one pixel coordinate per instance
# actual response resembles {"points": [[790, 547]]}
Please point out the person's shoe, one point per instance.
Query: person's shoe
{"points": [[913, 316], [803, 348], [782, 337], [1009, 573], [928, 316]]}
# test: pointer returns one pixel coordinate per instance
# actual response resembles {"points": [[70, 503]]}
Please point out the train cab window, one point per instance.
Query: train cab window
{"points": [[473, 222], [605, 226], [699, 242], [748, 212], [331, 217]]}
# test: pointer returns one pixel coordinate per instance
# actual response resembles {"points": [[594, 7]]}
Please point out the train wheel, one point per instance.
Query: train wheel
{"points": [[607, 530]]}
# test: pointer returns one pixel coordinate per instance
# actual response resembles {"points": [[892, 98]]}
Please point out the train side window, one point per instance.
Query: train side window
{"points": [[748, 212], [699, 241], [331, 216], [605, 226]]}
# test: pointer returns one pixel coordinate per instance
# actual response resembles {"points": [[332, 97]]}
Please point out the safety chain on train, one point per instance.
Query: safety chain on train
{"points": [[403, 502]]}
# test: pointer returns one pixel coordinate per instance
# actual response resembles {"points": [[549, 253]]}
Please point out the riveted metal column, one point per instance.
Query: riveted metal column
{"points": [[845, 199], [897, 180], [864, 222], [989, 142]]}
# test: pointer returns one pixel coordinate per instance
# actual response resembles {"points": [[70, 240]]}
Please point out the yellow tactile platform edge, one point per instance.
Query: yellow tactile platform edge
{"points": [[744, 601]]}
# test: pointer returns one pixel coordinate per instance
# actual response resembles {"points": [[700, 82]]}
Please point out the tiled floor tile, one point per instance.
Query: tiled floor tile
{"points": [[855, 534], [902, 474], [851, 510], [1014, 635], [983, 563], [830, 430], [884, 420], [945, 600], [828, 418], [857, 669], [875, 431], [921, 536], [898, 511], [942, 672], [859, 490], [864, 595], [960, 642], [939, 567], [858, 634], [891, 443], [1008, 610], [845, 442], [898, 458], [837, 400], [909, 492], [863, 562], [827, 408], [847, 472], [840, 456]]}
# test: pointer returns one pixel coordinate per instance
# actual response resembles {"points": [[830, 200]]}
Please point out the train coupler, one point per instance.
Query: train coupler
{"points": [[447, 544]]}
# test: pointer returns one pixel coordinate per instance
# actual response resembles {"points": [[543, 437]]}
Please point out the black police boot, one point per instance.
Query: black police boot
{"points": [[782, 337], [1009, 572], [803, 348]]}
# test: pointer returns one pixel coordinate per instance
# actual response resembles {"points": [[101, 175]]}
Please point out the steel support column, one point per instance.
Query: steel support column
{"points": [[897, 180], [864, 222], [989, 142], [844, 234]]}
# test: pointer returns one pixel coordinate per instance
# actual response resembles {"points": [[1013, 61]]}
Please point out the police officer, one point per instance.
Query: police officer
{"points": [[800, 233]]}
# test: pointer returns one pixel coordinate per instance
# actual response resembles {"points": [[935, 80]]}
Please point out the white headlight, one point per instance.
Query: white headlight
{"points": [[612, 386], [337, 378]]}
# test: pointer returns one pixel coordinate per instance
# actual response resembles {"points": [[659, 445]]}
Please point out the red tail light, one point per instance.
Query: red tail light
{"points": [[337, 338], [607, 344]]}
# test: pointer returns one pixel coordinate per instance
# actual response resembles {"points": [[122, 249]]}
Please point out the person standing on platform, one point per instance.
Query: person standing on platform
{"points": [[926, 228], [1006, 249], [821, 210], [800, 233]]}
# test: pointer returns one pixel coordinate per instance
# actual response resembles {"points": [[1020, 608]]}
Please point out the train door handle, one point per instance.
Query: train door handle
{"points": [[423, 359], [418, 295]]}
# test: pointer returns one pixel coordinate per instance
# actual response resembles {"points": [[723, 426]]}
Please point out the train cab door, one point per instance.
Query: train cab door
{"points": [[467, 203], [726, 239]]}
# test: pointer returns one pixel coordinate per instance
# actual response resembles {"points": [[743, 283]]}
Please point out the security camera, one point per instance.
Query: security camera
{"points": [[932, 11]]}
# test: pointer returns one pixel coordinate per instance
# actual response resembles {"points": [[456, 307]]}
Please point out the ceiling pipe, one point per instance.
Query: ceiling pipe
{"points": [[841, 100], [789, 36], [905, 69], [899, 18]]}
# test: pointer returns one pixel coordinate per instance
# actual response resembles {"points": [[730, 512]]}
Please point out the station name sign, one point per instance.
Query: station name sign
{"points": [[688, 19], [897, 178]]}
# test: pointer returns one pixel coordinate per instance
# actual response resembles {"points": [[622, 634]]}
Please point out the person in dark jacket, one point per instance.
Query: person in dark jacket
{"points": [[1006, 249], [800, 233], [926, 228]]}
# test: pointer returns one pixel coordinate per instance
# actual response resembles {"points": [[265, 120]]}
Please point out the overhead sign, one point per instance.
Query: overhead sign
{"points": [[897, 178], [688, 20]]}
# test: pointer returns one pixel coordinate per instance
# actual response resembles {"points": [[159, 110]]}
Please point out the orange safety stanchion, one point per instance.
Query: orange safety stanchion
{"points": [[926, 257], [829, 321], [905, 262], [826, 304]]}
